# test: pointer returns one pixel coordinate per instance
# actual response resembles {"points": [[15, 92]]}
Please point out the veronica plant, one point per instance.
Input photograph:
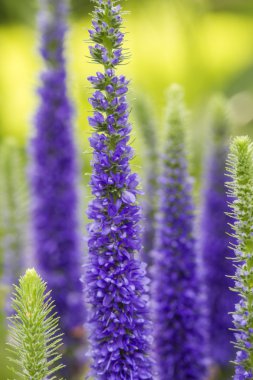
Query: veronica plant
{"points": [[147, 126], [54, 179], [179, 324], [35, 339], [214, 240], [116, 284], [240, 169]]}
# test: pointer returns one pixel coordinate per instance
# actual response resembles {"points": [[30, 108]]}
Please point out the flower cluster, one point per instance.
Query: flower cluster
{"points": [[116, 282], [53, 180], [180, 341], [240, 169], [214, 241]]}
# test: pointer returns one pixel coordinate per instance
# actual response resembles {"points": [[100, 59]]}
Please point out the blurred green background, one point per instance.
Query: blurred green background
{"points": [[205, 45]]}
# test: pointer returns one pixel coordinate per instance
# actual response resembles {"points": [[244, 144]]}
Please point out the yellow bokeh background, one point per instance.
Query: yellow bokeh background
{"points": [[169, 42]]}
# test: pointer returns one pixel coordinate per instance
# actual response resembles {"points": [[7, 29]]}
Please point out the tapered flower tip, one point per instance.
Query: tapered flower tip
{"points": [[31, 274], [30, 278], [175, 99], [218, 110], [240, 166], [240, 163], [240, 145]]}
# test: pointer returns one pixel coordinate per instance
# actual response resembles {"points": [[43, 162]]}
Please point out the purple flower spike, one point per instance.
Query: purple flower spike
{"points": [[180, 341], [116, 283], [214, 242], [53, 181]]}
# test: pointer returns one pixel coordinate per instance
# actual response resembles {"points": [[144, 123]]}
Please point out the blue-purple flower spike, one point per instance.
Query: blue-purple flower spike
{"points": [[214, 241], [178, 320], [116, 282], [54, 187]]}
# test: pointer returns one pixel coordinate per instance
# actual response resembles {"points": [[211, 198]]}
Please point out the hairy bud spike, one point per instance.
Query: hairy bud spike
{"points": [[240, 169], [34, 334]]}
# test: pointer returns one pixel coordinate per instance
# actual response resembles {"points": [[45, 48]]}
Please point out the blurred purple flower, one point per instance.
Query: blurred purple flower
{"points": [[180, 338], [116, 282], [214, 242], [147, 126], [53, 180]]}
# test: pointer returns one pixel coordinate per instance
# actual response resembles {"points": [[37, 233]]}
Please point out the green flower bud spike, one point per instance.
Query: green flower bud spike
{"points": [[34, 340], [240, 189]]}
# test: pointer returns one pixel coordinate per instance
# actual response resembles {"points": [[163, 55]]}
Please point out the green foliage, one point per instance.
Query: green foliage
{"points": [[34, 334], [13, 209]]}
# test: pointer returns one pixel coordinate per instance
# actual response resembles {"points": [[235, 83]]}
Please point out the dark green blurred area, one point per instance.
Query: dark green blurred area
{"points": [[12, 11]]}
